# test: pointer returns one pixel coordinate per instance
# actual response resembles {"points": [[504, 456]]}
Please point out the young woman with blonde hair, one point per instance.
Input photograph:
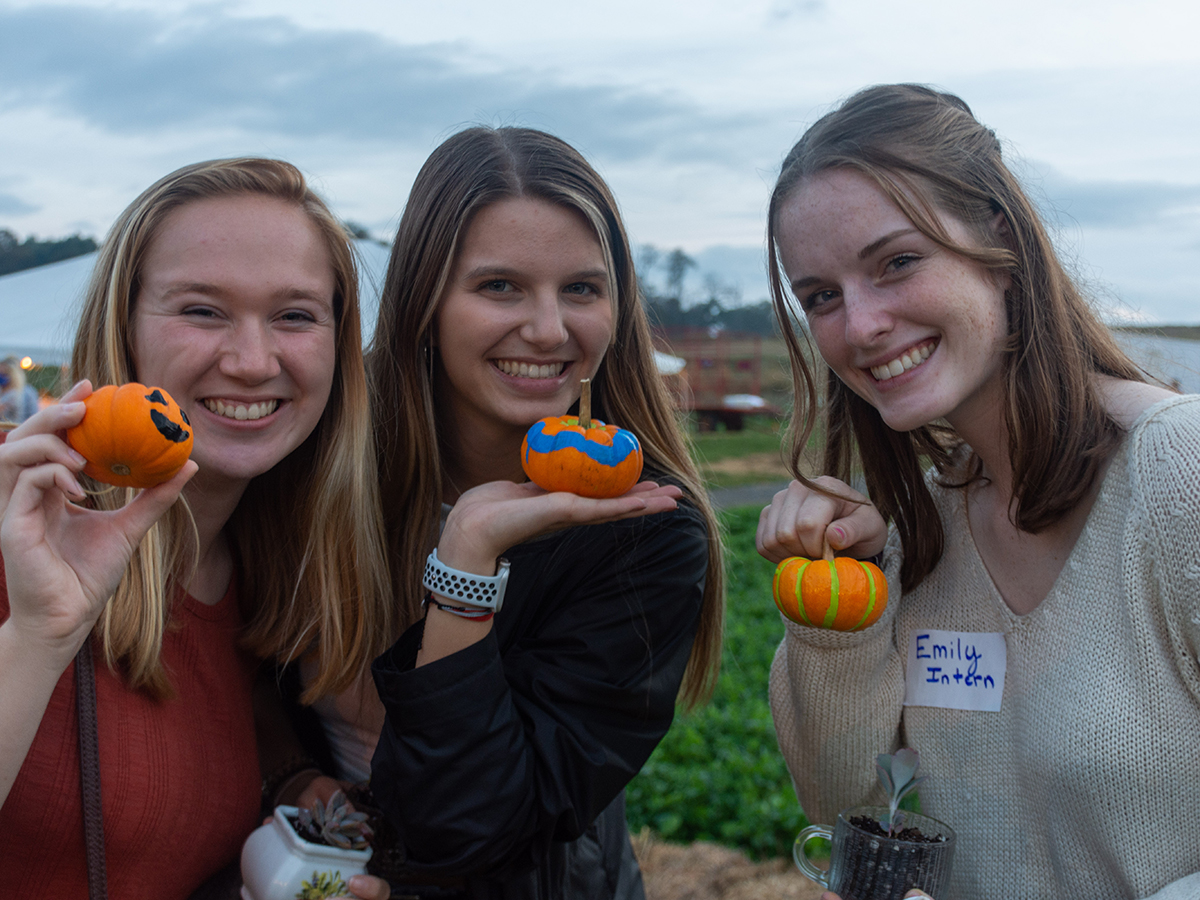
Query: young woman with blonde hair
{"points": [[230, 285], [1057, 532], [510, 737]]}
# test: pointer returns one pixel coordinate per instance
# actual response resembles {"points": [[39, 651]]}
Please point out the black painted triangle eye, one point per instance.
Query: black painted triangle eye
{"points": [[155, 396], [172, 431], [186, 420]]}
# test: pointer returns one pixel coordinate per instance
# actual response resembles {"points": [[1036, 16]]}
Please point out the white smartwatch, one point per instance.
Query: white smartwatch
{"points": [[467, 588]]}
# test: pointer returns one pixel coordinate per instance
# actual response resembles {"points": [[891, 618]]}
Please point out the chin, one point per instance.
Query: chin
{"points": [[903, 421]]}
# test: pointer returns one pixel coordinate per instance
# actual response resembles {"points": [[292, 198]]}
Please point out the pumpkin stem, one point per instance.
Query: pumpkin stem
{"points": [[585, 403], [826, 551]]}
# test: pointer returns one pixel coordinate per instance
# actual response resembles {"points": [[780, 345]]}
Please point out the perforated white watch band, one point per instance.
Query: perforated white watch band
{"points": [[483, 591]]}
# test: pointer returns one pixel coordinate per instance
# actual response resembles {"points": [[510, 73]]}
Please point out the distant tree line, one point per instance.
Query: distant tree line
{"points": [[17, 255], [719, 305], [1180, 332]]}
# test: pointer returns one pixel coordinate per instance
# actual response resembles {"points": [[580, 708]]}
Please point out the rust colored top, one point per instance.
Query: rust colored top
{"points": [[180, 781]]}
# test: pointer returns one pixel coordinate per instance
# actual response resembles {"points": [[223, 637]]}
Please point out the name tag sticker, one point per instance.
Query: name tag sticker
{"points": [[956, 670]]}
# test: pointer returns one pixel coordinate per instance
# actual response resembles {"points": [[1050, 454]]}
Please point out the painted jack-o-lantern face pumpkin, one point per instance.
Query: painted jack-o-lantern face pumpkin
{"points": [[132, 436], [842, 594], [598, 461]]}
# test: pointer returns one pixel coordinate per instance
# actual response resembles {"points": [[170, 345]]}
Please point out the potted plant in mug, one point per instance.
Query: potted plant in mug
{"points": [[882, 852], [306, 854]]}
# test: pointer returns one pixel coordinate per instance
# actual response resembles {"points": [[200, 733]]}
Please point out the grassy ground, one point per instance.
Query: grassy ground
{"points": [[751, 456], [718, 775]]}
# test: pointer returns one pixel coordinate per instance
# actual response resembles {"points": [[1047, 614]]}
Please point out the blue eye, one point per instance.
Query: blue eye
{"points": [[581, 288], [818, 299], [901, 261]]}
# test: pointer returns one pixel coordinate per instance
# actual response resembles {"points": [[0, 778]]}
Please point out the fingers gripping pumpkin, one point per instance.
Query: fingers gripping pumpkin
{"points": [[581, 455], [841, 594], [132, 436]]}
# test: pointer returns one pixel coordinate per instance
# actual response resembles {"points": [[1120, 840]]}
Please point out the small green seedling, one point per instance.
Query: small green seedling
{"points": [[897, 774]]}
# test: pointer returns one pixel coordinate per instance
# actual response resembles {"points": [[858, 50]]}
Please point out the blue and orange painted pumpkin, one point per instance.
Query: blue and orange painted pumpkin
{"points": [[598, 461], [132, 436], [842, 594]]}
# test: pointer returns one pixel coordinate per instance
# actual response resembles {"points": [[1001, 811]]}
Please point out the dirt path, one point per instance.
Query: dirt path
{"points": [[703, 871]]}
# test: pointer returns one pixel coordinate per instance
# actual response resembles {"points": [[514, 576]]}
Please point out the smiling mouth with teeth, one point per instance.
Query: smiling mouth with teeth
{"points": [[242, 411], [907, 360], [525, 370]]}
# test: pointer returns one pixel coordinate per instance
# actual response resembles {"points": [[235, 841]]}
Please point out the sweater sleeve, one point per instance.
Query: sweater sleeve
{"points": [[491, 754], [1167, 482], [838, 696]]}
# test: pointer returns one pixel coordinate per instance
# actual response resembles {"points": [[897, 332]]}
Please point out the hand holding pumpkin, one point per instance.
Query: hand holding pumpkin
{"points": [[800, 530], [63, 561]]}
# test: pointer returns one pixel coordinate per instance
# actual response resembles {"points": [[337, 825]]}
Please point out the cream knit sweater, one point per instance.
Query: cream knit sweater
{"points": [[1086, 783]]}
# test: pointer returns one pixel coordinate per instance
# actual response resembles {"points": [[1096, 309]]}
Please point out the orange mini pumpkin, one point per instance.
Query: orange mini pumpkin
{"points": [[132, 436], [558, 454], [842, 594]]}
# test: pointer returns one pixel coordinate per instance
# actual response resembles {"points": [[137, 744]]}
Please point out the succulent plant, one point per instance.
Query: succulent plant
{"points": [[322, 887], [337, 824], [897, 773]]}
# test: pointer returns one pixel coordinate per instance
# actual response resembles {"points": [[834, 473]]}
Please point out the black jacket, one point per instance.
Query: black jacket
{"points": [[506, 762]]}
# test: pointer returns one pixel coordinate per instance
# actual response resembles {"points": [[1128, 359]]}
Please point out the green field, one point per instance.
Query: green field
{"points": [[761, 435], [718, 775]]}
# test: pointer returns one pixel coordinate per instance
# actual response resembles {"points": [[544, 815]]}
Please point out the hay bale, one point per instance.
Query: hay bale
{"points": [[705, 871]]}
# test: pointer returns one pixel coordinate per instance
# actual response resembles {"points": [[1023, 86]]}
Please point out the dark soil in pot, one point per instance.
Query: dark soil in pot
{"points": [[877, 865]]}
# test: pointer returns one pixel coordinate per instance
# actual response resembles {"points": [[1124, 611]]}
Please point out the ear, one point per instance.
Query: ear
{"points": [[1003, 231]]}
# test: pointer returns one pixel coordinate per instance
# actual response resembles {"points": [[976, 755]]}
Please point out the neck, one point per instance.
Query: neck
{"points": [[488, 454], [983, 428], [211, 509]]}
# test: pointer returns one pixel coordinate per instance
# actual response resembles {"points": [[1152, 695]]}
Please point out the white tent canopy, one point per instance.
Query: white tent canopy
{"points": [[39, 309]]}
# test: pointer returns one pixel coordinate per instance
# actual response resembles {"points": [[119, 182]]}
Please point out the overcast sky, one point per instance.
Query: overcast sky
{"points": [[686, 108]]}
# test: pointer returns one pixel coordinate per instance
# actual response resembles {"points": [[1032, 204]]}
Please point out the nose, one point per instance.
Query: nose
{"points": [[251, 353], [544, 326], [867, 317]]}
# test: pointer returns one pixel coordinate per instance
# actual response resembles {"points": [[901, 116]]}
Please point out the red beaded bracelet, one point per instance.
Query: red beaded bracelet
{"points": [[474, 613]]}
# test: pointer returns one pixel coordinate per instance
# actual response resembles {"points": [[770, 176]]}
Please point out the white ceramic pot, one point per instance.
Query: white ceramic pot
{"points": [[278, 864]]}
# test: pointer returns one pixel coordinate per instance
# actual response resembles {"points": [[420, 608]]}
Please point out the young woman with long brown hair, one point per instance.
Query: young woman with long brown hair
{"points": [[1059, 525], [510, 737]]}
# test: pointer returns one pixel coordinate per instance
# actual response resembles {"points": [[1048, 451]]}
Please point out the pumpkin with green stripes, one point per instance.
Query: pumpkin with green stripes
{"points": [[843, 594]]}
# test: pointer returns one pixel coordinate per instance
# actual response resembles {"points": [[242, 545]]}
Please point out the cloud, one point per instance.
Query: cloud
{"points": [[1112, 204], [782, 10], [134, 72], [11, 205]]}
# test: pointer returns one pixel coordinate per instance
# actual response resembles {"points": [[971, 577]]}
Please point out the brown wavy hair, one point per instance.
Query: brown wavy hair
{"points": [[926, 151], [472, 169], [308, 533]]}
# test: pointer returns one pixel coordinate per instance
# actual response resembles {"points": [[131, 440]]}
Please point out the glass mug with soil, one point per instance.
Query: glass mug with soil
{"points": [[865, 863]]}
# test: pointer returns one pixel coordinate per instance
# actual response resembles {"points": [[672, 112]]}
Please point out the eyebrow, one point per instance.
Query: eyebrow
{"points": [[486, 271], [211, 290], [801, 283], [890, 236]]}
